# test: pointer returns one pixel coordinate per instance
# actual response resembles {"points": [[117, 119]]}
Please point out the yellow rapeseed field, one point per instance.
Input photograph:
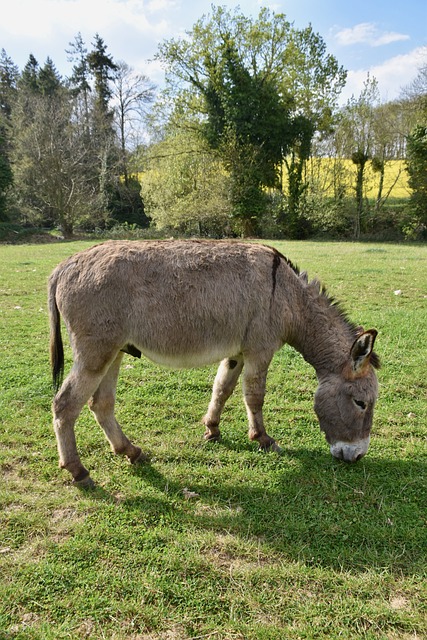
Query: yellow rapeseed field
{"points": [[323, 172]]}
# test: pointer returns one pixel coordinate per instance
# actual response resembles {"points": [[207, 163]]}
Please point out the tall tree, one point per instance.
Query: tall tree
{"points": [[50, 157], [102, 68], [417, 169], [6, 176], [30, 75], [49, 81], [132, 92], [224, 78], [9, 74], [389, 145], [79, 83], [314, 79], [256, 84], [357, 125]]}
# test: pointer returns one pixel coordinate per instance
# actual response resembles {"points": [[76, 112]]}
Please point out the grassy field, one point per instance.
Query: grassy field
{"points": [[218, 540]]}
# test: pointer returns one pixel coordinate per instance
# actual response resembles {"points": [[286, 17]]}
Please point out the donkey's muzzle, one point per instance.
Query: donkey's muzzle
{"points": [[350, 451]]}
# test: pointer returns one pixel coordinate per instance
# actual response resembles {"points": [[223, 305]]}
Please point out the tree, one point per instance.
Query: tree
{"points": [[357, 127], [48, 81], [131, 93], [50, 156], [389, 145], [248, 120], [79, 81], [30, 74], [314, 79], [224, 81], [242, 77], [186, 187], [102, 67], [417, 169], [416, 100], [415, 94], [9, 74], [6, 176]]}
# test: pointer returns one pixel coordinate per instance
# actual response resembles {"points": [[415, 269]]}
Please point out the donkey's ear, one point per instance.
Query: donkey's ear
{"points": [[362, 349]]}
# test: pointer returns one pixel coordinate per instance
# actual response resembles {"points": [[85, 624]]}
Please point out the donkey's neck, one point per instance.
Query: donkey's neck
{"points": [[321, 332]]}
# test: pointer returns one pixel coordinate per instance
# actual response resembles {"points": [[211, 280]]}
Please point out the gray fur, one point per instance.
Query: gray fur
{"points": [[190, 303]]}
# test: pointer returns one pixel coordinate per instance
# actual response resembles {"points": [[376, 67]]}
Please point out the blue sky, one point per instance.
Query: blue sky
{"points": [[385, 38]]}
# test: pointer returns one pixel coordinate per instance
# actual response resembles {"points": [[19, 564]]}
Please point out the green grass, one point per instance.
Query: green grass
{"points": [[297, 546]]}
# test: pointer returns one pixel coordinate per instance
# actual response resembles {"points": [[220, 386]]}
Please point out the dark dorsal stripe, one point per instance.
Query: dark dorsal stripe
{"points": [[277, 257]]}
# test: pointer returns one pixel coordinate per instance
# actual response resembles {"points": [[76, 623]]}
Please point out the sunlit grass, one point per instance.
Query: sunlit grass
{"points": [[218, 540]]}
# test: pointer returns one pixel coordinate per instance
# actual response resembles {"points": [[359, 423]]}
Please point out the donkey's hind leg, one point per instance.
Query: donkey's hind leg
{"points": [[102, 405], [225, 382], [67, 404]]}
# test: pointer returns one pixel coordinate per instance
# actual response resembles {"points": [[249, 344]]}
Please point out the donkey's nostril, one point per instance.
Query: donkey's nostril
{"points": [[337, 453], [349, 452]]}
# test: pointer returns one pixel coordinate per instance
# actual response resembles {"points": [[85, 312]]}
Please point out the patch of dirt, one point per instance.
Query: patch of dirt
{"points": [[398, 602]]}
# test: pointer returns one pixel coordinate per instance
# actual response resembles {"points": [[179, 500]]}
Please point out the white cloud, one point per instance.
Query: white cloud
{"points": [[43, 18], [131, 29], [367, 33], [154, 6], [392, 75]]}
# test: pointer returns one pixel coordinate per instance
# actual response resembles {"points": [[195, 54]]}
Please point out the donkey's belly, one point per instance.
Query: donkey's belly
{"points": [[192, 360]]}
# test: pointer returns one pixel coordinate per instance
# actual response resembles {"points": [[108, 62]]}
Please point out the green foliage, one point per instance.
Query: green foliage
{"points": [[297, 546], [126, 204], [417, 169], [263, 88], [101, 65], [67, 169], [185, 187], [249, 104], [6, 176]]}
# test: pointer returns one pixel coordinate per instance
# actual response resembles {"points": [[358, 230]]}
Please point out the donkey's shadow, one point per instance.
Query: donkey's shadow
{"points": [[355, 516]]}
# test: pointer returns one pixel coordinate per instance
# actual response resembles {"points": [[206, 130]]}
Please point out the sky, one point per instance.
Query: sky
{"points": [[386, 39]]}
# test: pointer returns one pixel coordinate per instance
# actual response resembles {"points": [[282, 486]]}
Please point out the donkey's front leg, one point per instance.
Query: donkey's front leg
{"points": [[254, 381], [226, 378]]}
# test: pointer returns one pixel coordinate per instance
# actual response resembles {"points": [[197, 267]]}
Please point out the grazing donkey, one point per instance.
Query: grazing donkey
{"points": [[191, 303]]}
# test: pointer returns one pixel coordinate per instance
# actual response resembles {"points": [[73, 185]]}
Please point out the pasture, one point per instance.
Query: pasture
{"points": [[217, 540]]}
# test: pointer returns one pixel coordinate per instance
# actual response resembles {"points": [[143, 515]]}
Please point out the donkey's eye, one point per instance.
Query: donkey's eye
{"points": [[360, 404]]}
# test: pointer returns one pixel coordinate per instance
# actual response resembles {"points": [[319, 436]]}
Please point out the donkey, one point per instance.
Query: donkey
{"points": [[196, 302]]}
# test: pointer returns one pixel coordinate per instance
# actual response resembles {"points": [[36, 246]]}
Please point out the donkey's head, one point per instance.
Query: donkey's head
{"points": [[344, 402]]}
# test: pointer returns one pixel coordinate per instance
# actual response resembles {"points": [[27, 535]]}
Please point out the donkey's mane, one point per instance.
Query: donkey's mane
{"points": [[320, 291], [340, 312]]}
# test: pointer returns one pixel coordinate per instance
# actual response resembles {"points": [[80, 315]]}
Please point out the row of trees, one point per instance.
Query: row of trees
{"points": [[64, 143], [227, 148]]}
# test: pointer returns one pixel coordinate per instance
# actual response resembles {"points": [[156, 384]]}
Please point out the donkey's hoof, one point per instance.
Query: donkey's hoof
{"points": [[270, 446], [141, 458], [84, 483], [212, 437]]}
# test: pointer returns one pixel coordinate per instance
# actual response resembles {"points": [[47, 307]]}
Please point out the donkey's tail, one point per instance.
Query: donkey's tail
{"points": [[56, 346]]}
